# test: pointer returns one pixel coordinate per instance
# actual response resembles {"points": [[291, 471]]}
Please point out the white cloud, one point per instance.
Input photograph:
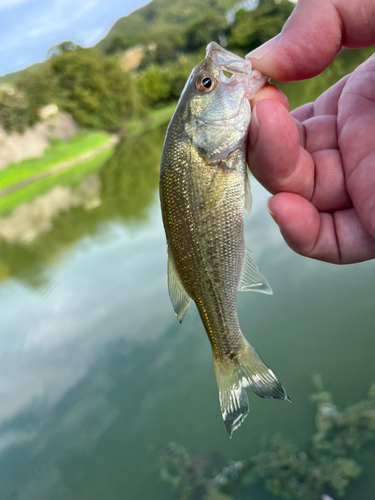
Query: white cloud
{"points": [[57, 19], [6, 4]]}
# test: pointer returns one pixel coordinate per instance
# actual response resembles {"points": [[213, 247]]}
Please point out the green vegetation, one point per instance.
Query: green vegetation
{"points": [[253, 28], [14, 111], [161, 19], [91, 85], [93, 88], [70, 178], [327, 467], [56, 153], [171, 37]]}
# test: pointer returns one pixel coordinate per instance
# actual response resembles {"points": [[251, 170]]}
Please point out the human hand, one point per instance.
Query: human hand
{"points": [[320, 160]]}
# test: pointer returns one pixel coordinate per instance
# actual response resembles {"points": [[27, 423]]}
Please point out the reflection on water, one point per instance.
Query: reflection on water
{"points": [[123, 189], [131, 176], [96, 375]]}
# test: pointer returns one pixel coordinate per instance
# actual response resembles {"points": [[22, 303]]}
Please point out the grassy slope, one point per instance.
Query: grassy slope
{"points": [[85, 141], [69, 178], [57, 153]]}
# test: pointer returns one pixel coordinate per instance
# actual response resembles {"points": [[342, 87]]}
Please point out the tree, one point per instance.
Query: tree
{"points": [[120, 43], [253, 28], [207, 29], [38, 88], [94, 89], [14, 113], [154, 85]]}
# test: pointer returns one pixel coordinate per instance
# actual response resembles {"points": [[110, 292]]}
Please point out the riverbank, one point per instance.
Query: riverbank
{"points": [[66, 163], [58, 152], [63, 163]]}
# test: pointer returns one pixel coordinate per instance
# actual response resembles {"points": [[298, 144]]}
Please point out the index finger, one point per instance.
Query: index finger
{"points": [[313, 35]]}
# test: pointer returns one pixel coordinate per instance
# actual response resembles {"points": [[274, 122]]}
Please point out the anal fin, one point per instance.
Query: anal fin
{"points": [[251, 279], [177, 293]]}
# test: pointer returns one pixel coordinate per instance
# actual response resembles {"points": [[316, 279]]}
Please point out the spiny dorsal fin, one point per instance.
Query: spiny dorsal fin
{"points": [[177, 293], [251, 279], [248, 197]]}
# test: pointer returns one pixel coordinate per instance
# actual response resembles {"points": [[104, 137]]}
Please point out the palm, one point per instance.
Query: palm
{"points": [[325, 190]]}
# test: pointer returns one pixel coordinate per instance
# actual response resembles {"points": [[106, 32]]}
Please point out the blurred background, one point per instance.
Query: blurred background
{"points": [[102, 393]]}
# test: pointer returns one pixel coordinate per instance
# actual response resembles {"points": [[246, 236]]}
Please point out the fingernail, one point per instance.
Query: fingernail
{"points": [[264, 49], [270, 211], [254, 126]]}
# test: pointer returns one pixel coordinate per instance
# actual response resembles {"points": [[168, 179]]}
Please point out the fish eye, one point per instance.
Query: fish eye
{"points": [[205, 83]]}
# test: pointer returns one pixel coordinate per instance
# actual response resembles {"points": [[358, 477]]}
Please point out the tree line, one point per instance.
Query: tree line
{"points": [[92, 86]]}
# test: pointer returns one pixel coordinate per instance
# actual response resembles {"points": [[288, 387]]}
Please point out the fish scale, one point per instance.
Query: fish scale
{"points": [[203, 182]]}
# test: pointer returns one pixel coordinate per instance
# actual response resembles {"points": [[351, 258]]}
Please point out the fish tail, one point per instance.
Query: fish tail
{"points": [[246, 369]]}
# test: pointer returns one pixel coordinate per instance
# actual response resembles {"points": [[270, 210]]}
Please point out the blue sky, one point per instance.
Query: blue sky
{"points": [[29, 27]]}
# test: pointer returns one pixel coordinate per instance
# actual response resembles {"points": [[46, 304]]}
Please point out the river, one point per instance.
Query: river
{"points": [[97, 377]]}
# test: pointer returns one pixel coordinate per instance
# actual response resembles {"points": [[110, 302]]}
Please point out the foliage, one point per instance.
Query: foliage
{"points": [[162, 16], [57, 50], [154, 85], [327, 467], [38, 90], [93, 88], [120, 43], [207, 29], [14, 112], [253, 28], [160, 84]]}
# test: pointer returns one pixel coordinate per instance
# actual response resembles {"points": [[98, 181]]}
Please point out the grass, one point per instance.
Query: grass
{"points": [[58, 152], [69, 178]]}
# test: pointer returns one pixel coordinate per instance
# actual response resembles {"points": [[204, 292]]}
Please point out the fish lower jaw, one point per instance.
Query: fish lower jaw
{"points": [[241, 116]]}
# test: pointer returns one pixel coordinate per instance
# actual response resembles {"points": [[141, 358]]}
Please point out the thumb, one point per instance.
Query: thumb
{"points": [[313, 35]]}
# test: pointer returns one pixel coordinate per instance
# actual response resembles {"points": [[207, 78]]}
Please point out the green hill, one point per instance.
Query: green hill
{"points": [[10, 78], [148, 23], [160, 16]]}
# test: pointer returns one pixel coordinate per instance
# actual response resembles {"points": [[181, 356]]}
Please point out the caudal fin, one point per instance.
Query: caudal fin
{"points": [[232, 376]]}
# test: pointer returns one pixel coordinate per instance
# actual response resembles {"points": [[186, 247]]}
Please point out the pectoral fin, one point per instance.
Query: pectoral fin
{"points": [[177, 293], [251, 279]]}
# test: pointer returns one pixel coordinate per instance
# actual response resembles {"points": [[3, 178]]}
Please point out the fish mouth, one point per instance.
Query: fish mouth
{"points": [[227, 61], [239, 68]]}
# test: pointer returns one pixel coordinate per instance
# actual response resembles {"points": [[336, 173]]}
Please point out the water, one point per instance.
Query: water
{"points": [[97, 376]]}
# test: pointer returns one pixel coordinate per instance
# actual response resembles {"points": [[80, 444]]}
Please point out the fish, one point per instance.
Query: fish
{"points": [[204, 193]]}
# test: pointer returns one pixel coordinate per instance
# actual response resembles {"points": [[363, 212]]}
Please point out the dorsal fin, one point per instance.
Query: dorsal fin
{"points": [[251, 279], [177, 293]]}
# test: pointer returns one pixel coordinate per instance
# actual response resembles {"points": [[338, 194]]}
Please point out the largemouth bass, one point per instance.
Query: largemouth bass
{"points": [[204, 192]]}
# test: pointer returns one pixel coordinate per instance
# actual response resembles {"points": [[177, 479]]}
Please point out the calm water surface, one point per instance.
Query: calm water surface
{"points": [[97, 376]]}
